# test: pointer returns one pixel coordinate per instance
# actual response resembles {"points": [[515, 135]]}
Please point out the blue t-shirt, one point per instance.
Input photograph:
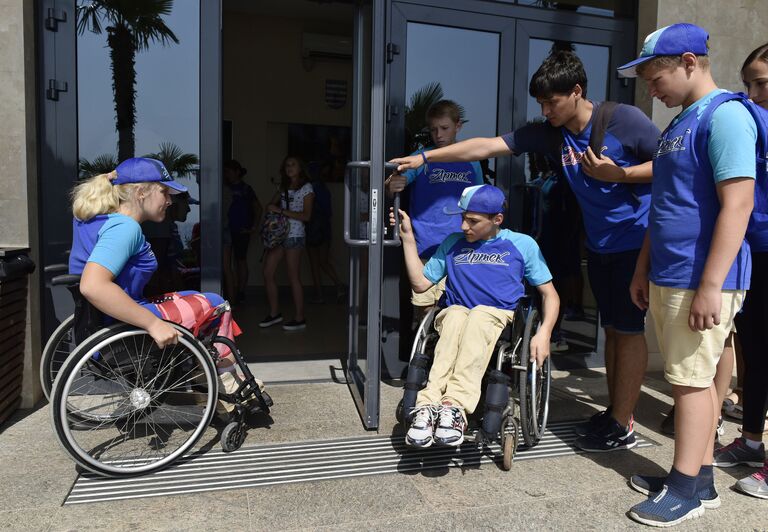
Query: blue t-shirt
{"points": [[615, 214], [487, 272], [240, 212], [433, 187], [116, 242], [685, 206]]}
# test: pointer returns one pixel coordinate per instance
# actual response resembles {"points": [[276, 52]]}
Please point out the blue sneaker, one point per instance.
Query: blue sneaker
{"points": [[648, 485], [610, 437], [666, 508], [593, 423]]}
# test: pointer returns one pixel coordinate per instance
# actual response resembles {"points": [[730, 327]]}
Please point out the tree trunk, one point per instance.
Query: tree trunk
{"points": [[123, 53]]}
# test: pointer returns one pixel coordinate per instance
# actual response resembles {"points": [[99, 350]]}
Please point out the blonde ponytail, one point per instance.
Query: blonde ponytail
{"points": [[95, 196]]}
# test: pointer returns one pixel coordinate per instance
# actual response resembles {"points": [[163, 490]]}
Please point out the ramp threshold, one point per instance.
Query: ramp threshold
{"points": [[267, 465]]}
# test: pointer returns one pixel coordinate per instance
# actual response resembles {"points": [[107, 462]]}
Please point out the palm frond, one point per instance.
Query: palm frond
{"points": [[175, 160], [102, 164]]}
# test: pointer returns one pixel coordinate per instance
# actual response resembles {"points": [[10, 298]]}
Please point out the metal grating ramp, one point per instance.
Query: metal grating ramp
{"points": [[267, 465]]}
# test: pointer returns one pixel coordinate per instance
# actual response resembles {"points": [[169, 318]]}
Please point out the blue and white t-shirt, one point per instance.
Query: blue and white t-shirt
{"points": [[487, 272], [615, 214], [116, 242], [685, 204], [434, 186]]}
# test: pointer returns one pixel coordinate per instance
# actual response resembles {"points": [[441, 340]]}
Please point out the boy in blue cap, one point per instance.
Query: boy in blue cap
{"points": [[694, 256], [613, 192], [484, 267]]}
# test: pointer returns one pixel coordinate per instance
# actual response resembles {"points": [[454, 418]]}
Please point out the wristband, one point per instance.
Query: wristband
{"points": [[426, 162]]}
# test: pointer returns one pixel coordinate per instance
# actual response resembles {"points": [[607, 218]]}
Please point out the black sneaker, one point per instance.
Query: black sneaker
{"points": [[610, 437], [269, 321], [593, 423], [294, 325]]}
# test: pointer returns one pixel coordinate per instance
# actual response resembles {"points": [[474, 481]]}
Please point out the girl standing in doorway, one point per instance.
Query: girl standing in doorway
{"points": [[293, 200]]}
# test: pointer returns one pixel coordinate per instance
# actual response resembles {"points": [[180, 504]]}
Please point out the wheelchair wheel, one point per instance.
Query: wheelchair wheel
{"points": [[232, 437], [533, 387], [152, 405], [508, 441], [56, 350]]}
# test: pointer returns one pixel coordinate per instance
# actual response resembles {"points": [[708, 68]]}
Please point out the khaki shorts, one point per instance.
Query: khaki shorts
{"points": [[690, 358], [430, 297]]}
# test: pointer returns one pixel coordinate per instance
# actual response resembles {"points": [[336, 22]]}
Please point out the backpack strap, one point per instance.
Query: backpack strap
{"points": [[600, 122], [705, 121], [600, 125]]}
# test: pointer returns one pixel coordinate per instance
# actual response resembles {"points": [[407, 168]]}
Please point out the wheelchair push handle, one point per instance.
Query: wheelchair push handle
{"points": [[68, 279]]}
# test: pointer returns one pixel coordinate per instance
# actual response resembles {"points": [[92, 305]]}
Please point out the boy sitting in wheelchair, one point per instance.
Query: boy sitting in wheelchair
{"points": [[484, 267]]}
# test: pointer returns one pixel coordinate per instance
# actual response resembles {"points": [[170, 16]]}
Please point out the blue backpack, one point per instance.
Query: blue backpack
{"points": [[757, 232]]}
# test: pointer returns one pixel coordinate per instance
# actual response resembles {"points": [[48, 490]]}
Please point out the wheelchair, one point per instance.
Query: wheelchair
{"points": [[515, 394], [121, 406]]}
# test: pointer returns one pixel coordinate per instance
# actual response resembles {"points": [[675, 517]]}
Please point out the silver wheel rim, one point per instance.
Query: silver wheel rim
{"points": [[140, 395]]}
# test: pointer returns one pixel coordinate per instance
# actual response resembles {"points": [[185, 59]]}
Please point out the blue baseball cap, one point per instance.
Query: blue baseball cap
{"points": [[676, 39], [144, 170], [486, 199]]}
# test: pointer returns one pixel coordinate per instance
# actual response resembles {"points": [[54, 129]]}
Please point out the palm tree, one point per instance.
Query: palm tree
{"points": [[103, 164], [131, 25], [177, 162], [416, 128]]}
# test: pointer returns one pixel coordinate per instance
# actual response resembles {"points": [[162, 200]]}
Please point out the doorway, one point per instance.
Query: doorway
{"points": [[287, 90]]}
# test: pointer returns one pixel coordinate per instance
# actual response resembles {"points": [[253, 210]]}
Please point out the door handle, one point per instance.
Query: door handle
{"points": [[374, 208]]}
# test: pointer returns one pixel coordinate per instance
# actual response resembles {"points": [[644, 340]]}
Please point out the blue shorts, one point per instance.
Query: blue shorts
{"points": [[610, 275], [294, 242]]}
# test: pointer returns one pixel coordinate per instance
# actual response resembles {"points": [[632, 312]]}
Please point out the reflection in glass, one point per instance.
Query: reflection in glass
{"points": [[138, 95], [463, 67]]}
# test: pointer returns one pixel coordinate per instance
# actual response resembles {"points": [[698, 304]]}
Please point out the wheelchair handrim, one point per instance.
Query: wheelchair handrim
{"points": [[88, 461], [49, 355]]}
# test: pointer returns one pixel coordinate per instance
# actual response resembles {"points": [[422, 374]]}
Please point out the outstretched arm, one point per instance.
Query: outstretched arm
{"points": [[418, 280], [97, 286], [468, 150], [551, 309]]}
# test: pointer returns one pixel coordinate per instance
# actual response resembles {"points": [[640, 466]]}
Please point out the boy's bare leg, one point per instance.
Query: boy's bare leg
{"points": [[695, 423], [631, 361]]}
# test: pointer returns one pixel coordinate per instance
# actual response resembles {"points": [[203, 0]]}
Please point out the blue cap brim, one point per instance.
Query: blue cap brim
{"points": [[457, 210], [629, 70], [176, 188]]}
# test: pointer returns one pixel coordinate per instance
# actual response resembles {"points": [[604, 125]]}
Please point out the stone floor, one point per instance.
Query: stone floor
{"points": [[585, 492]]}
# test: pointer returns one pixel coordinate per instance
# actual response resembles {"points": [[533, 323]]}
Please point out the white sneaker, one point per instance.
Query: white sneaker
{"points": [[450, 426], [421, 433]]}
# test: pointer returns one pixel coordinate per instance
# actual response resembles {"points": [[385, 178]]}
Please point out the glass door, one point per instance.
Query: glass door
{"points": [[365, 213]]}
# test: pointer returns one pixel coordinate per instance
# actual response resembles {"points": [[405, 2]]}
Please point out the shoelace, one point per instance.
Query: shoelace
{"points": [[761, 475], [735, 444], [450, 416], [425, 414]]}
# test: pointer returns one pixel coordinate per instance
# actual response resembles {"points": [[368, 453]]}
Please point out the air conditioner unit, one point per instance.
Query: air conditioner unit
{"points": [[319, 46]]}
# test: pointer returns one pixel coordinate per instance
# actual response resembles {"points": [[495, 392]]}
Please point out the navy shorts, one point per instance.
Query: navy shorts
{"points": [[610, 275]]}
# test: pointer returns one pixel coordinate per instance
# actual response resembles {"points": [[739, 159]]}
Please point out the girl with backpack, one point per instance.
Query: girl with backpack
{"points": [[293, 201]]}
